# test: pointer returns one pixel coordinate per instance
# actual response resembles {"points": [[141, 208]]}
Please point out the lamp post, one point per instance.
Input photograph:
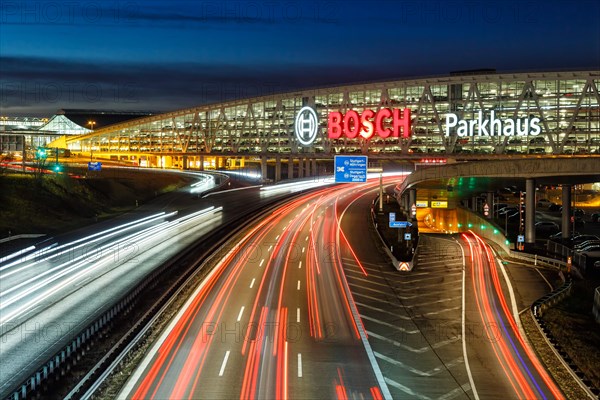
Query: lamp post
{"points": [[91, 124]]}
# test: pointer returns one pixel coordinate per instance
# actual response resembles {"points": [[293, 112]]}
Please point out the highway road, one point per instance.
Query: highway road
{"points": [[306, 307], [275, 319], [50, 293], [520, 374]]}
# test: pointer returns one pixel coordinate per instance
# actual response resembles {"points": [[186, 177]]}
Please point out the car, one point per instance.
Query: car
{"points": [[586, 244], [578, 239], [544, 203], [557, 237], [499, 206], [508, 210], [554, 207], [537, 140], [546, 226], [592, 252]]}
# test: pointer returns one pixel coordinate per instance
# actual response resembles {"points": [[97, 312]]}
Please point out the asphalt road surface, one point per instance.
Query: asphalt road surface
{"points": [[305, 306]]}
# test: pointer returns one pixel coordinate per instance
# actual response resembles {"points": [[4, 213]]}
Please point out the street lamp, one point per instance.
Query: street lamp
{"points": [[91, 124]]}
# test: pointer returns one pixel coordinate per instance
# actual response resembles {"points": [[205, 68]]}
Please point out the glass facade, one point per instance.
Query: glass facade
{"points": [[566, 104]]}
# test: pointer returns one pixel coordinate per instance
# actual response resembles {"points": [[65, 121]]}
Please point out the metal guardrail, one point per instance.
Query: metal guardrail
{"points": [[579, 260], [537, 310], [539, 306], [22, 236], [538, 260], [71, 353]]}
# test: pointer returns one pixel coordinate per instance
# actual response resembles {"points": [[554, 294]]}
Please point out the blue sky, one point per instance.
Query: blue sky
{"points": [[160, 55]]}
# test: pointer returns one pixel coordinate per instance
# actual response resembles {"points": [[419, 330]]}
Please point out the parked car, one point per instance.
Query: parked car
{"points": [[508, 210], [545, 203], [499, 206], [554, 207], [586, 245], [578, 239], [546, 226], [592, 251]]}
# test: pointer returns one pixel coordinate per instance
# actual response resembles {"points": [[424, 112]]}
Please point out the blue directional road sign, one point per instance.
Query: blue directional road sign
{"points": [[350, 169], [400, 224], [94, 166]]}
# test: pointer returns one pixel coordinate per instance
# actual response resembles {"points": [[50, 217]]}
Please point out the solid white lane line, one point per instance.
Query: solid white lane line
{"points": [[240, 314], [463, 329], [299, 365], [252, 283], [261, 262], [224, 363], [298, 287], [300, 265], [298, 314]]}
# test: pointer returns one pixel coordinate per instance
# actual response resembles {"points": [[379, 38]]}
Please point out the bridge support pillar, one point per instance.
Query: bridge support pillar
{"points": [[566, 212], [412, 200], [314, 167], [490, 203], [263, 167], [474, 204], [290, 168], [307, 167], [277, 169], [530, 212], [300, 168], [184, 162], [201, 166]]}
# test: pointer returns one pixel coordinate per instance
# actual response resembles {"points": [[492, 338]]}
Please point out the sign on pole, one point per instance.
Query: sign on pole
{"points": [[392, 217], [400, 224], [350, 169], [94, 166]]}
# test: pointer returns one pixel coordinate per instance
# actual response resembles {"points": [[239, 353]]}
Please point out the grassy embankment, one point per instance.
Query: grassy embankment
{"points": [[58, 203]]}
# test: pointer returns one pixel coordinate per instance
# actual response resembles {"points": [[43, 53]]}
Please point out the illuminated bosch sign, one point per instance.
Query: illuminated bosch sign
{"points": [[383, 123], [486, 125], [306, 126]]}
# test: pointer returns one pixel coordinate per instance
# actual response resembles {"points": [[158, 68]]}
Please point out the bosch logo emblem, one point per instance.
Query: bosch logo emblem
{"points": [[306, 126]]}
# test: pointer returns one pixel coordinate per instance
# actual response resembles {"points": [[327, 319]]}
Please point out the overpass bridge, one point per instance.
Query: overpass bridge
{"points": [[448, 184]]}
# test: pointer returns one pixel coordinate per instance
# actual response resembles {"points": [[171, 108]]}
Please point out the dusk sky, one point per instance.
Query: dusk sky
{"points": [[166, 55]]}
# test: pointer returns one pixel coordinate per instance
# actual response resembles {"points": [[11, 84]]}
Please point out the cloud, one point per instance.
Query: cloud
{"points": [[196, 14], [40, 86]]}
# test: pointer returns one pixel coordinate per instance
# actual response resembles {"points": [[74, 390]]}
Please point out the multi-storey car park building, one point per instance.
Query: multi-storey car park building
{"points": [[461, 116]]}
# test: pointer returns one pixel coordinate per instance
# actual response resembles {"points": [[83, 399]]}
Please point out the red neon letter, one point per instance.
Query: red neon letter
{"points": [[367, 125], [381, 114], [351, 124], [334, 128], [402, 122]]}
